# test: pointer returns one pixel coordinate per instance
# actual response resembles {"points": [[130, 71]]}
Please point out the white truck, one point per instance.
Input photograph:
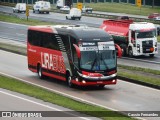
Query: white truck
{"points": [[74, 13], [20, 7], [60, 3], [134, 38], [42, 7]]}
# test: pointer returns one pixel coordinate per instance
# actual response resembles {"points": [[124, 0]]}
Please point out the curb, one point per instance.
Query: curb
{"points": [[138, 82]]}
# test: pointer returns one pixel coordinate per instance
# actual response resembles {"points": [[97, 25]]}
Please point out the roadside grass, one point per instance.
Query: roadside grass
{"points": [[140, 74], [156, 72], [15, 19], [48, 96], [142, 78], [123, 8]]}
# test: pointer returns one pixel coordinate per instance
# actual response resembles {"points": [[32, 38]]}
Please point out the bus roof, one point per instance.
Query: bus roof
{"points": [[81, 32]]}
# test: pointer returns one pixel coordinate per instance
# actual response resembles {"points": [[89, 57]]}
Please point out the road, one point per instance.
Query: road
{"points": [[13, 102], [122, 97], [18, 33]]}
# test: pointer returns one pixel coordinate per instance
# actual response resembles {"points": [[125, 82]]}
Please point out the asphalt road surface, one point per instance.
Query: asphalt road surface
{"points": [[122, 97]]}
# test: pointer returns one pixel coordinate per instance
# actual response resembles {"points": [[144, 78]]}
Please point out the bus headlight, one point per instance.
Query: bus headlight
{"points": [[83, 81], [76, 79], [113, 81]]}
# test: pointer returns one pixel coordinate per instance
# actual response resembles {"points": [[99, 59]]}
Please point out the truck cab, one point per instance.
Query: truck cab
{"points": [[134, 38], [74, 13], [142, 39]]}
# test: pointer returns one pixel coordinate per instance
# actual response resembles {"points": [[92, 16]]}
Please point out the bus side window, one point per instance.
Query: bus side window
{"points": [[48, 40], [33, 38]]}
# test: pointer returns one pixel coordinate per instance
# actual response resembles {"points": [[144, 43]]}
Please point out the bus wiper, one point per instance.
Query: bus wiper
{"points": [[93, 63], [104, 61]]}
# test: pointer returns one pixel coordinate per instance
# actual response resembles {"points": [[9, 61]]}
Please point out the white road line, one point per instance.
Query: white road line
{"points": [[64, 94], [141, 86], [40, 104]]}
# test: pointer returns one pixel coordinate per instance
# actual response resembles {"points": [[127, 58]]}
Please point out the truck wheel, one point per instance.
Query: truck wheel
{"points": [[151, 55], [40, 74], [66, 18], [79, 18], [72, 18], [33, 11], [130, 52], [123, 47]]}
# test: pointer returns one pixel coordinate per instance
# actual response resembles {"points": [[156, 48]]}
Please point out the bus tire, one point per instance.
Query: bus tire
{"points": [[39, 71], [69, 79]]}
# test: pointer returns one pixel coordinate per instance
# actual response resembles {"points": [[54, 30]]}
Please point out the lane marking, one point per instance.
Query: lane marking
{"points": [[40, 104], [141, 86], [64, 94]]}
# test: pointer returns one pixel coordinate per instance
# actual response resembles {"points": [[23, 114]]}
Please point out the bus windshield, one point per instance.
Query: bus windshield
{"points": [[98, 59]]}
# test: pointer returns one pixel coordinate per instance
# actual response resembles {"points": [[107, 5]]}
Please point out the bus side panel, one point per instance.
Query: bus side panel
{"points": [[32, 55], [52, 63]]}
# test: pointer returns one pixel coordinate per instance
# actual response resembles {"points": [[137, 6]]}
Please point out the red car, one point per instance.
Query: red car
{"points": [[154, 15]]}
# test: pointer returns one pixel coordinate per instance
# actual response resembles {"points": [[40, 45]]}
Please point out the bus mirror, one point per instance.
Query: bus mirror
{"points": [[77, 51], [119, 50]]}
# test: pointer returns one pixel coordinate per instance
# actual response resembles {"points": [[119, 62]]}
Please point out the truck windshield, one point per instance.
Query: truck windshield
{"points": [[97, 60], [146, 34]]}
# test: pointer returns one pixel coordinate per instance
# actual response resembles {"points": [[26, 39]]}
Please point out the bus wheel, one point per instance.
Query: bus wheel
{"points": [[40, 74], [69, 79]]}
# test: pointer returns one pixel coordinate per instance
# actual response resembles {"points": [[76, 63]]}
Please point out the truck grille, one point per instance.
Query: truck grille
{"points": [[146, 45]]}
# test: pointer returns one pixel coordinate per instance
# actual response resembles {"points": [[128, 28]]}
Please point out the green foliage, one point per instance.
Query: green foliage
{"points": [[14, 19], [156, 72], [123, 8]]}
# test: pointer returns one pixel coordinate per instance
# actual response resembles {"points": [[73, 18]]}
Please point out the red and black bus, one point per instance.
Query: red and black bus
{"points": [[77, 54]]}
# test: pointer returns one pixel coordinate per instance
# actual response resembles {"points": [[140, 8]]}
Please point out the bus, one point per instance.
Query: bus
{"points": [[77, 54]]}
